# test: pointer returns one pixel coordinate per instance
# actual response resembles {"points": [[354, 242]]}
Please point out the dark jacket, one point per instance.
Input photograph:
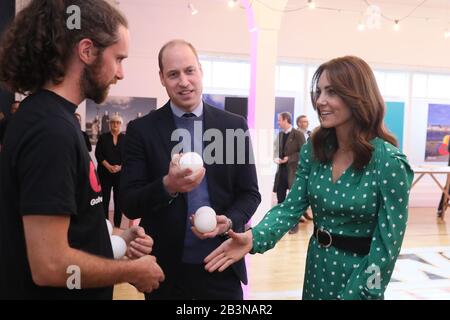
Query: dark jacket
{"points": [[294, 143], [233, 189]]}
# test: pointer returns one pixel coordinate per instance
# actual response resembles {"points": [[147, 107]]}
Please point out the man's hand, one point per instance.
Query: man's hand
{"points": [[181, 180], [139, 244], [223, 225], [147, 275]]}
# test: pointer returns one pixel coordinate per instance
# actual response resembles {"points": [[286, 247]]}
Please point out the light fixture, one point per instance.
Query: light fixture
{"points": [[192, 8], [447, 34], [311, 4], [232, 3], [372, 18], [396, 25]]}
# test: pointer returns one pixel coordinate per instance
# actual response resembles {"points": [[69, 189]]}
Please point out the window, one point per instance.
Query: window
{"points": [[289, 78], [233, 75]]}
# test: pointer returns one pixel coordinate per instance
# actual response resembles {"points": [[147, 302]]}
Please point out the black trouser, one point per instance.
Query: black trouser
{"points": [[442, 204], [193, 282], [282, 185], [111, 181]]}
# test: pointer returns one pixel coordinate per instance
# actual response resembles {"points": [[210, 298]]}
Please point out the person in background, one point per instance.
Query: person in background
{"points": [[357, 183], [54, 241], [302, 126], [108, 153], [286, 151], [287, 148], [443, 204]]}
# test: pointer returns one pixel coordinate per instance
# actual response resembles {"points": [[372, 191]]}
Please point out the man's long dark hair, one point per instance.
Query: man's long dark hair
{"points": [[38, 45]]}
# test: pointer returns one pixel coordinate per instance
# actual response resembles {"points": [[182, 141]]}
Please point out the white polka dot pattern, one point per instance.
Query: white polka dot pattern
{"points": [[367, 203]]}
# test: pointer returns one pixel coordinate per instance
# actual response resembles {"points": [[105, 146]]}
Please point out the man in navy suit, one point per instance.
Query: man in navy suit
{"points": [[156, 189]]}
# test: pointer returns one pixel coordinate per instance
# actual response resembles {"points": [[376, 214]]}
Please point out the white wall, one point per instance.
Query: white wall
{"points": [[327, 34]]}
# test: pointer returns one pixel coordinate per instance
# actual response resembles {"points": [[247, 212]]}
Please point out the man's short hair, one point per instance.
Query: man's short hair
{"points": [[300, 117], [286, 116], [171, 44]]}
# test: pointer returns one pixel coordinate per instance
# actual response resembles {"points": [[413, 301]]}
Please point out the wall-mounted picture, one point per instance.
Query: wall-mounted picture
{"points": [[394, 120], [233, 104], [239, 105], [129, 108], [438, 133]]}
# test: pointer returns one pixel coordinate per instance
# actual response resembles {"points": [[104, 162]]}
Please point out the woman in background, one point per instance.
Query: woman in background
{"points": [[109, 158]]}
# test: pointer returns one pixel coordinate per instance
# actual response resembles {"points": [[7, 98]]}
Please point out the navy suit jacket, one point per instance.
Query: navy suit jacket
{"points": [[233, 189]]}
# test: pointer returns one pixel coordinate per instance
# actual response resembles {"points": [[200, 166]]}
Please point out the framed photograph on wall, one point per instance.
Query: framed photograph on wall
{"points": [[394, 120], [438, 133], [129, 108]]}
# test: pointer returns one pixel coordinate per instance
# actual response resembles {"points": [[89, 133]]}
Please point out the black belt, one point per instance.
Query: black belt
{"points": [[357, 245]]}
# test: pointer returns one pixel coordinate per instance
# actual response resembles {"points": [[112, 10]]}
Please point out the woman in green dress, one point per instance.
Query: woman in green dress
{"points": [[355, 180]]}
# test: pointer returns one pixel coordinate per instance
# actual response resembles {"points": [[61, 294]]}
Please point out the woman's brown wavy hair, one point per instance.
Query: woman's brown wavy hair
{"points": [[353, 80], [38, 45]]}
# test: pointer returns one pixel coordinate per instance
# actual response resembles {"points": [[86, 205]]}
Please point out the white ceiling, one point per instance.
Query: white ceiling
{"points": [[391, 8]]}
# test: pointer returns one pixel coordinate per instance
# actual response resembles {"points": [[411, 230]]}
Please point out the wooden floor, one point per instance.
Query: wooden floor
{"points": [[278, 273]]}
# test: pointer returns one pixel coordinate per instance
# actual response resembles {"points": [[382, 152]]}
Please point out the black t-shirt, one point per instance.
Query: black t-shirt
{"points": [[45, 169]]}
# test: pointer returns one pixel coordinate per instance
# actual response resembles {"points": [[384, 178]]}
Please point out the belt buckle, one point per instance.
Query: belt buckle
{"points": [[329, 236]]}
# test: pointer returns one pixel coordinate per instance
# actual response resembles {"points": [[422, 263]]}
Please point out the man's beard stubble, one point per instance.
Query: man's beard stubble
{"points": [[90, 84]]}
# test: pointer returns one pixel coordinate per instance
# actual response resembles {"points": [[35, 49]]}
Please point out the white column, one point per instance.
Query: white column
{"points": [[267, 21]]}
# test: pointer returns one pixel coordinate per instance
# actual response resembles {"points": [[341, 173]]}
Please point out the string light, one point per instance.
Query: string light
{"points": [[231, 3], [396, 25], [447, 34], [361, 27], [192, 8], [370, 21]]}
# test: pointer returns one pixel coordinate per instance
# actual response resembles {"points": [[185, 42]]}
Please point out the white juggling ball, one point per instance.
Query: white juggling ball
{"points": [[191, 160], [110, 228], [119, 246], [205, 219]]}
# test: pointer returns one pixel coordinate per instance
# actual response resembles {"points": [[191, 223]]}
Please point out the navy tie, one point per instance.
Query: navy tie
{"points": [[189, 115]]}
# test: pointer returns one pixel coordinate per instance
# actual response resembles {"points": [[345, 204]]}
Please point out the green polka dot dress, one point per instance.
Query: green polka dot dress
{"points": [[372, 202]]}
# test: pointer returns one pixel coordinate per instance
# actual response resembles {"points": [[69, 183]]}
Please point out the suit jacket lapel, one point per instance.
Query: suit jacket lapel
{"points": [[209, 121], [212, 170], [289, 139], [166, 125]]}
